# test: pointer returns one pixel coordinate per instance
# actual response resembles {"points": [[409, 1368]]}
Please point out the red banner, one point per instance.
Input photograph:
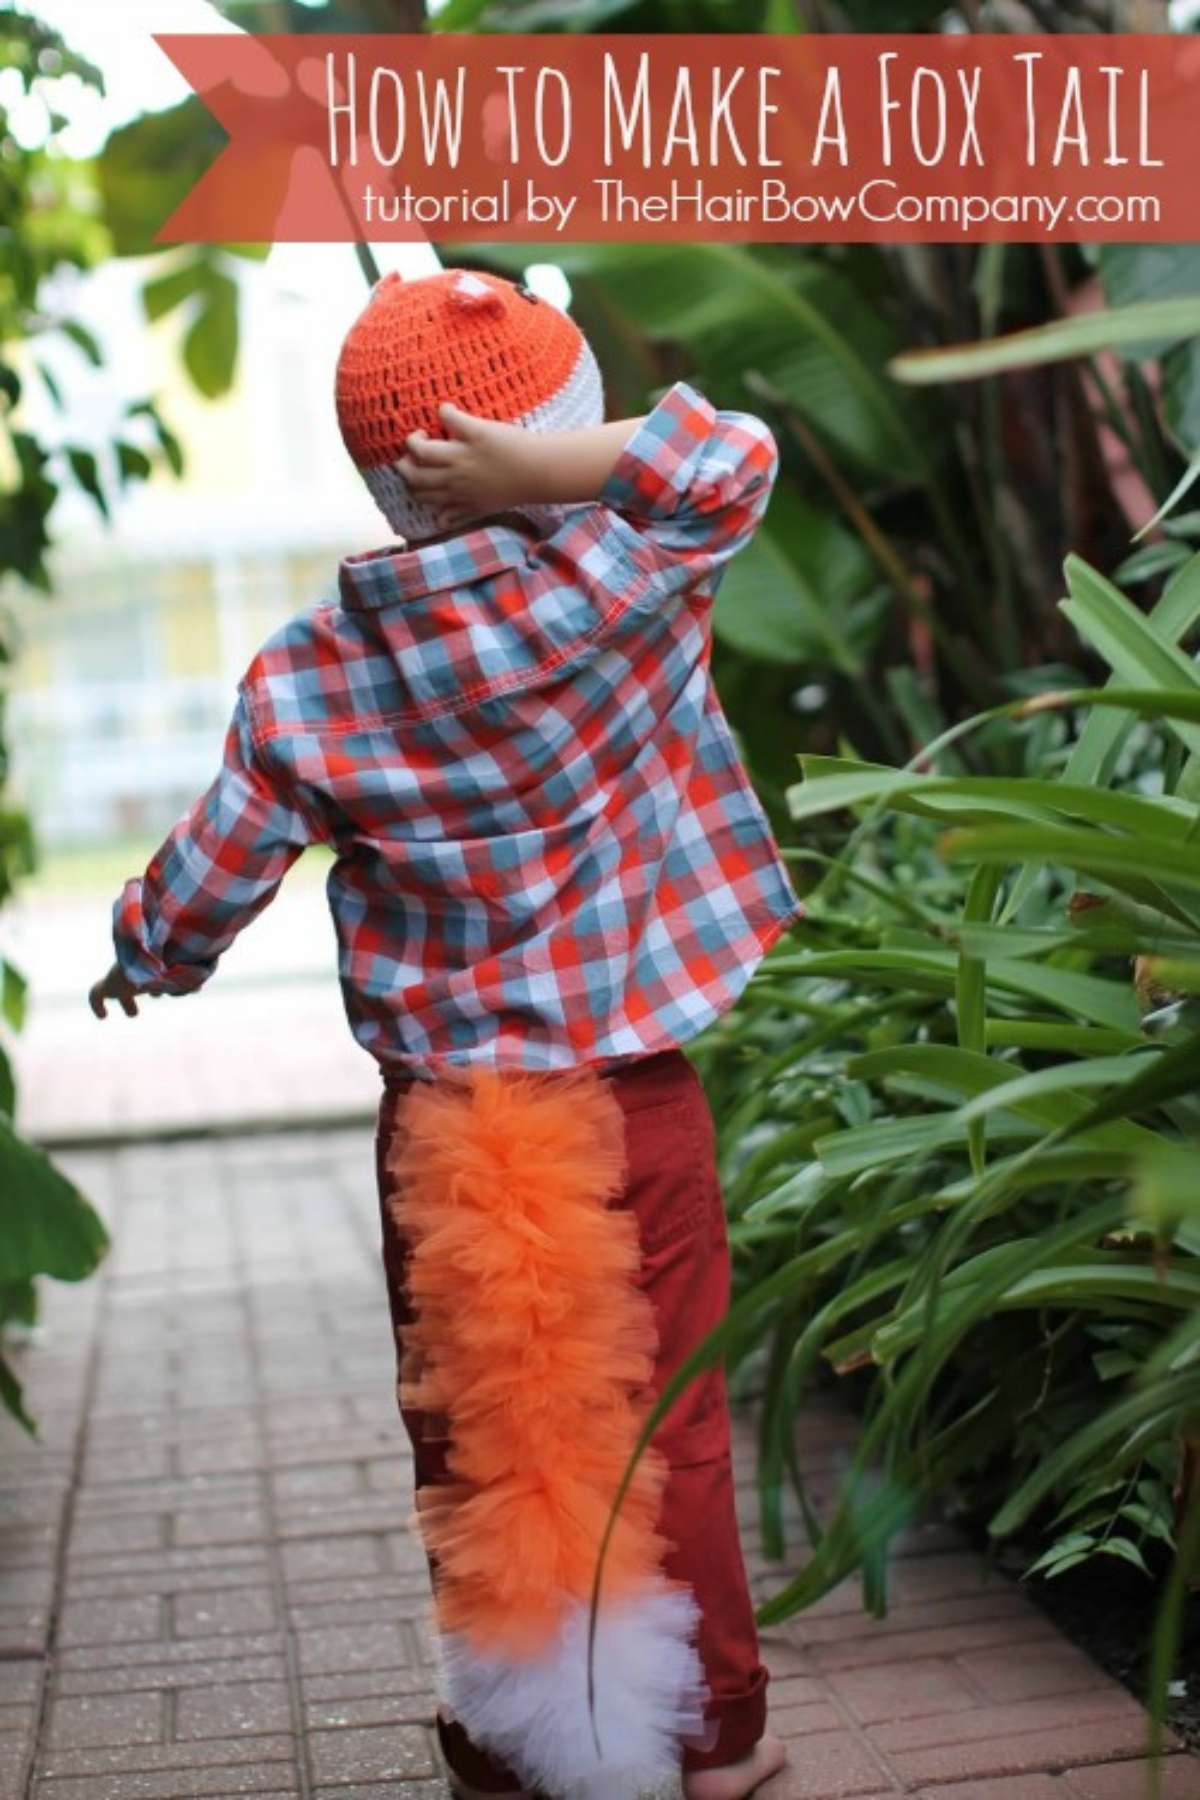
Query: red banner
{"points": [[854, 138]]}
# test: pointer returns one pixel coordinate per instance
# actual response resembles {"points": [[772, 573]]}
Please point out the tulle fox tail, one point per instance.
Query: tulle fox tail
{"points": [[534, 1342]]}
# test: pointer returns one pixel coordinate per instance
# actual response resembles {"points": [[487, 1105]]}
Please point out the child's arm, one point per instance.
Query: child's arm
{"points": [[486, 466], [691, 482], [218, 868]]}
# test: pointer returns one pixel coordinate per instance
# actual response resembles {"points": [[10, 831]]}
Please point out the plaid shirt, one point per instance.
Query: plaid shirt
{"points": [[546, 848]]}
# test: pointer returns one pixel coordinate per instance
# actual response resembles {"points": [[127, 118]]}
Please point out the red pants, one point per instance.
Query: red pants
{"points": [[673, 1191]]}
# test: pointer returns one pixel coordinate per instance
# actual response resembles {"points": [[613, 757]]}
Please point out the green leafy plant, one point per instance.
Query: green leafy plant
{"points": [[958, 1114], [46, 1226], [961, 1126]]}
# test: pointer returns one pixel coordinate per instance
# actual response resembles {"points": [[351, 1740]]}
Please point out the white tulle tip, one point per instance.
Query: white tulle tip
{"points": [[533, 1712]]}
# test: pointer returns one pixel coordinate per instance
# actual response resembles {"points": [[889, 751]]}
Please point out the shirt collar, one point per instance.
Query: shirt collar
{"points": [[376, 578]]}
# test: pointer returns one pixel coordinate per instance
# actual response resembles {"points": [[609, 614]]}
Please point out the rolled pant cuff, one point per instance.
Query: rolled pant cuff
{"points": [[741, 1720]]}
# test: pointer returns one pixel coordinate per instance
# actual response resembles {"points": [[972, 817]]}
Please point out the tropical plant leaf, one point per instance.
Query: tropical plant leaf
{"points": [[788, 596], [1082, 334], [1129, 642], [46, 1226], [12, 1398]]}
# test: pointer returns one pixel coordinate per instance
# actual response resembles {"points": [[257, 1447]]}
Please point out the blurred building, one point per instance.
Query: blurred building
{"points": [[126, 676]]}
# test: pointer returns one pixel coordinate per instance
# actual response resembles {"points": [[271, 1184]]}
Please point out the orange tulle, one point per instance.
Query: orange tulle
{"points": [[531, 1339]]}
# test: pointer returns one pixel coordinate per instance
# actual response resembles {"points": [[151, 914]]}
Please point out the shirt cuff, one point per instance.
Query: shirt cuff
{"points": [[659, 465], [138, 961]]}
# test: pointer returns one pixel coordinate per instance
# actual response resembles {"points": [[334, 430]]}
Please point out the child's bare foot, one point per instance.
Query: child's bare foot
{"points": [[735, 1780]]}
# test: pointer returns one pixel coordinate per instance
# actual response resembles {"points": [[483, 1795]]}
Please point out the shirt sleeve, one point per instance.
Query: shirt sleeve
{"points": [[692, 485], [218, 868]]}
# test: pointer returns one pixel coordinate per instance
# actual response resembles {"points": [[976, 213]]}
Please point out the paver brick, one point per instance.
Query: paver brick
{"points": [[21, 1680], [375, 1790], [391, 1475], [106, 1719], [173, 1784], [198, 1492], [366, 1683], [1180, 1777], [170, 1566], [370, 1753], [396, 1708], [783, 1654], [404, 1550], [1114, 1707], [169, 1675], [313, 1558], [15, 1750], [181, 1580], [23, 1629], [223, 1456], [239, 1524], [232, 1709], [351, 1446], [795, 1690], [140, 1759], [1015, 1630], [103, 1656], [965, 1612], [380, 1607], [344, 1647], [1008, 1787], [903, 1690], [828, 1765], [1053, 1668], [799, 1721], [112, 1621], [355, 1513], [1023, 1751], [136, 1531], [316, 1481], [216, 1610], [133, 1462], [20, 1588]]}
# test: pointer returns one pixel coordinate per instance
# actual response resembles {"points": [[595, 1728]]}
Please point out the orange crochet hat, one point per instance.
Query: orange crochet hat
{"points": [[488, 345]]}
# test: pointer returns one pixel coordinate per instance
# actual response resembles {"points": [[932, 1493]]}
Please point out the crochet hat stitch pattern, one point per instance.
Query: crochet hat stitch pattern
{"points": [[488, 345]]}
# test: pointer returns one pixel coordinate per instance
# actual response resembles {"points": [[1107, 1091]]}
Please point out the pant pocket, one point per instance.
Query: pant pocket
{"points": [[671, 1185]]}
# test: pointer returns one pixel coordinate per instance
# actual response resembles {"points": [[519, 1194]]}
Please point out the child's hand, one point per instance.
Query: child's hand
{"points": [[483, 467], [113, 986]]}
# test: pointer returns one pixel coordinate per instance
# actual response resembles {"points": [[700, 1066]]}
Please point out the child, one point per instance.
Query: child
{"points": [[550, 871]]}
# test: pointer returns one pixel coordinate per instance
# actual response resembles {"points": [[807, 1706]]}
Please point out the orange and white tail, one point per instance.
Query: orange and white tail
{"points": [[533, 1341]]}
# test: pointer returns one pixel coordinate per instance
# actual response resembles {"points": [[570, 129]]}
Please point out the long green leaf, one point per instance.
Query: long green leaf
{"points": [[910, 1385], [1172, 1072], [12, 1398], [1094, 753], [46, 1226], [1091, 853], [1129, 642], [1090, 997], [971, 993], [1099, 1282], [1118, 1435], [1060, 341], [1049, 1097], [1024, 798]]}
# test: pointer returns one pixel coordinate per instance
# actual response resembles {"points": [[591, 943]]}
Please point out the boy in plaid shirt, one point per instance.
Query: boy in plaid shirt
{"points": [[550, 871]]}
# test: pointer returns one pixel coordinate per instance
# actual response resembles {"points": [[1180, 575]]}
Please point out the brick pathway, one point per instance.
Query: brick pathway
{"points": [[265, 1040], [207, 1587]]}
